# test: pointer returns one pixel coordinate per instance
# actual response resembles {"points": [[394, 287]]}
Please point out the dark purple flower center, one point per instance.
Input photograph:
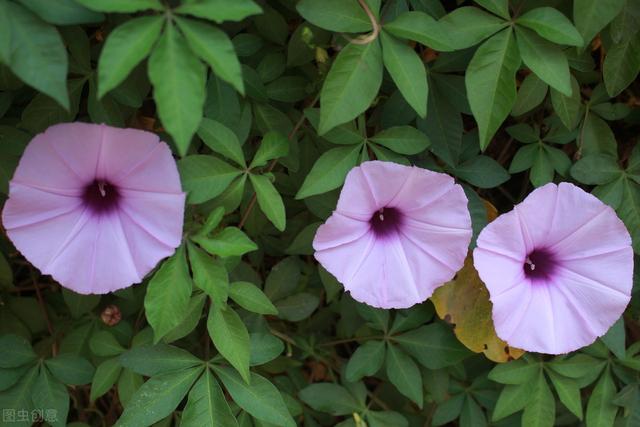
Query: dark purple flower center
{"points": [[101, 196], [385, 221], [539, 264]]}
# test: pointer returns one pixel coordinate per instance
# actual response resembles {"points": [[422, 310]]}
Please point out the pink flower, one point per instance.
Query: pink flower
{"points": [[95, 207], [397, 234], [559, 269]]}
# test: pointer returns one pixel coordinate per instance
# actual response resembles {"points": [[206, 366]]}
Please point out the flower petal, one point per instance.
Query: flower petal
{"points": [[68, 153], [339, 230], [154, 171], [423, 188], [160, 214], [109, 265], [503, 236]]}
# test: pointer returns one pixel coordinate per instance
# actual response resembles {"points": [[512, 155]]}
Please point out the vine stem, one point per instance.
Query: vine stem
{"points": [[374, 23], [274, 162], [43, 308]]}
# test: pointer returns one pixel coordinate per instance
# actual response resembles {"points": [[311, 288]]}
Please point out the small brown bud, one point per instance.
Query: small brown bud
{"points": [[111, 315]]}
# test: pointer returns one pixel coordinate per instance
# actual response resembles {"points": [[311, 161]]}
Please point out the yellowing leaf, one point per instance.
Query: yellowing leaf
{"points": [[464, 302]]}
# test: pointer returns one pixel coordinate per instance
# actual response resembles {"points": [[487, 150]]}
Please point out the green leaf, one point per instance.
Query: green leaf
{"points": [[264, 348], [386, 419], [629, 212], [15, 351], [577, 366], [542, 171], [407, 71], [448, 410], [20, 396], [220, 10], [207, 405], [490, 82], [597, 137], [212, 222], [545, 59], [209, 274], [402, 139], [404, 374], [229, 242], [540, 411], [335, 15], [205, 177], [52, 395], [346, 134], [105, 377], [443, 126], [121, 6], [125, 47], [273, 146], [601, 412], [168, 293], [65, 12], [568, 392], [329, 171], [230, 336], [499, 7], [105, 110], [483, 172], [512, 399], [71, 369], [250, 297], [514, 372], [190, 321], [36, 53], [591, 16], [215, 48], [468, 26], [434, 346], [552, 25], [621, 65], [420, 27], [259, 397], [221, 140], [178, 80], [531, 94], [158, 359], [297, 307], [351, 85], [330, 398], [568, 108], [104, 344], [158, 397], [614, 339], [283, 278], [365, 361], [596, 169]]}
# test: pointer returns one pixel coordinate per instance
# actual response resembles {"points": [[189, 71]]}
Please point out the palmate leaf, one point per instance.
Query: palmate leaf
{"points": [[167, 297], [351, 85], [490, 82], [207, 405], [407, 71], [158, 397], [258, 397], [231, 338], [178, 78], [125, 47], [34, 51]]}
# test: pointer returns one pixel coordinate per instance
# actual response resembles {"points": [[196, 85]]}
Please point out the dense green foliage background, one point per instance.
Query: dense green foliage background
{"points": [[267, 105]]}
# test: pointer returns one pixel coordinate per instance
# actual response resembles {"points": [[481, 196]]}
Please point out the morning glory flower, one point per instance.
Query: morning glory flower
{"points": [[559, 269], [397, 234], [94, 206]]}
